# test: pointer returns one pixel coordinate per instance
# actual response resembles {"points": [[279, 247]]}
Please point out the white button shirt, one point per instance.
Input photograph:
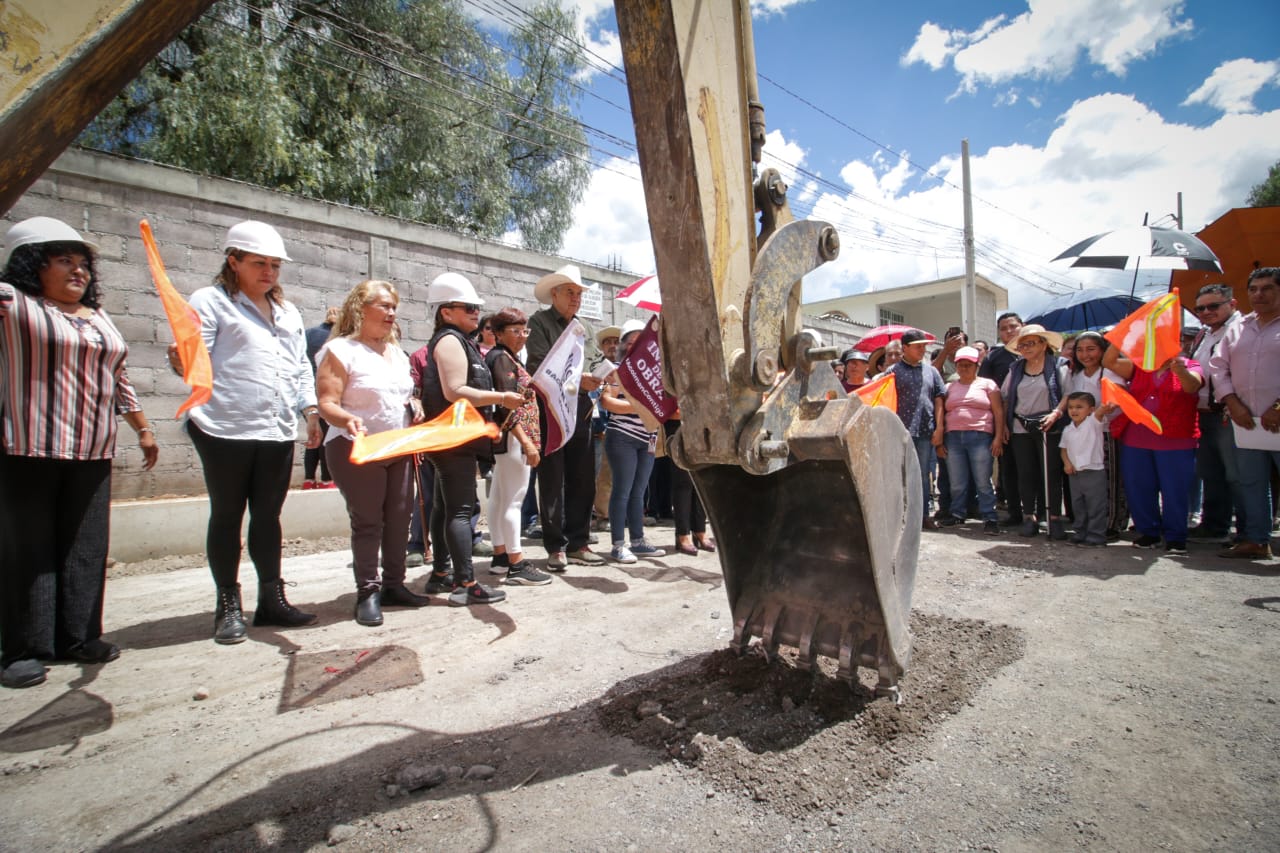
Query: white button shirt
{"points": [[262, 379]]}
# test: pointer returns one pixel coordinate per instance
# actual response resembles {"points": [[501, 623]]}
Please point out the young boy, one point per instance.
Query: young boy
{"points": [[1081, 447]]}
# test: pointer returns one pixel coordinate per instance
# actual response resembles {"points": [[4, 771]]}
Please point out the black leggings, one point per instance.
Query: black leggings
{"points": [[451, 508], [238, 474]]}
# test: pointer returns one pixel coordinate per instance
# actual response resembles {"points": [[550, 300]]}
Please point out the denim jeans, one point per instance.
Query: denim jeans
{"points": [[631, 461], [926, 456], [969, 460], [1255, 484], [1216, 466]]}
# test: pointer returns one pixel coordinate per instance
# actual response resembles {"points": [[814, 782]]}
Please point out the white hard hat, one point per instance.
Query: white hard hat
{"points": [[256, 237], [452, 287], [41, 229], [633, 325]]}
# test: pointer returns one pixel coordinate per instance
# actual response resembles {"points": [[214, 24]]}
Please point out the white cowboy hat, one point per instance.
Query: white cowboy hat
{"points": [[608, 332], [567, 274], [1035, 330]]}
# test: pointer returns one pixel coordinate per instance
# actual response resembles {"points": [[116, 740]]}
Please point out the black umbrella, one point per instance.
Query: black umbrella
{"points": [[1144, 247]]}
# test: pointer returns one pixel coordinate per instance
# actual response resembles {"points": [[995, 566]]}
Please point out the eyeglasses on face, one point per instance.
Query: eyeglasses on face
{"points": [[1030, 343], [464, 306], [518, 331], [1212, 306]]}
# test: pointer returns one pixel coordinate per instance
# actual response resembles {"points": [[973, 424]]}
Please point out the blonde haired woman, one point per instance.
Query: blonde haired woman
{"points": [[364, 387]]}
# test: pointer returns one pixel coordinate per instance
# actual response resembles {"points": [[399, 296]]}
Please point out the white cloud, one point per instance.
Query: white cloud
{"points": [[1048, 40], [611, 223], [1110, 160], [765, 8], [1232, 85]]}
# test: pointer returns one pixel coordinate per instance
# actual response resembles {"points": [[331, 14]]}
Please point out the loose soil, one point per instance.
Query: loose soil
{"points": [[1056, 698]]}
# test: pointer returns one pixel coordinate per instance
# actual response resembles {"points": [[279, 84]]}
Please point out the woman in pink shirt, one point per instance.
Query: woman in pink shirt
{"points": [[974, 437]]}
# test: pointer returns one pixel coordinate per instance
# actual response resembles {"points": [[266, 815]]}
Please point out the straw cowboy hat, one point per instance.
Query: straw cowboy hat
{"points": [[567, 274], [1035, 330], [608, 332]]}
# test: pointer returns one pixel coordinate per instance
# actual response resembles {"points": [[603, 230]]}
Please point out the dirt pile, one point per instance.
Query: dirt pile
{"points": [[801, 742]]}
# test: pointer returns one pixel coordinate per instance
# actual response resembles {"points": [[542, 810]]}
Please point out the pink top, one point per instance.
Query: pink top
{"points": [[969, 406]]}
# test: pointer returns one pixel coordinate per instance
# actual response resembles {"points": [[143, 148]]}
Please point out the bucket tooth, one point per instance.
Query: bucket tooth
{"points": [[805, 645], [769, 627]]}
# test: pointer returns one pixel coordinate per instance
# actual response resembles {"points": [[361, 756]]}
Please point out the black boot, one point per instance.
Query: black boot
{"points": [[369, 608], [274, 609], [228, 620]]}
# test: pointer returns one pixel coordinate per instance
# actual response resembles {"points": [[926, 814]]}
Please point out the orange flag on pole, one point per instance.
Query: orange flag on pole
{"points": [[1113, 393], [1151, 335], [197, 369], [881, 392], [455, 426]]}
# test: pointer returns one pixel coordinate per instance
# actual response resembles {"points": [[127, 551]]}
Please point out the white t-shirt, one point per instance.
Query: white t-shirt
{"points": [[377, 389], [1083, 444]]}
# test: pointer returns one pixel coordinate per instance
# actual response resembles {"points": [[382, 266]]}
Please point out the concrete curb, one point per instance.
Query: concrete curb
{"points": [[144, 530]]}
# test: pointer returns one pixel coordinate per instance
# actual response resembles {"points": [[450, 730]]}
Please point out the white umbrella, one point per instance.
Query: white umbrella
{"points": [[642, 294]]}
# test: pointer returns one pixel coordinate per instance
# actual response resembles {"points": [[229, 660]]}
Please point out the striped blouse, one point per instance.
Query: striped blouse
{"points": [[62, 381]]}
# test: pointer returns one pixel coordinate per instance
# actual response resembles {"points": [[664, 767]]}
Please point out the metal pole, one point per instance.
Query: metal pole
{"points": [[969, 296], [1179, 210]]}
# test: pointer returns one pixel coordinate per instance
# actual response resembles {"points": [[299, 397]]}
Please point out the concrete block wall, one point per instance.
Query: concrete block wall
{"points": [[333, 248]]}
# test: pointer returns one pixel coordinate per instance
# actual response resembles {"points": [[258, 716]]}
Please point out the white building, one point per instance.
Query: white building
{"points": [[933, 306]]}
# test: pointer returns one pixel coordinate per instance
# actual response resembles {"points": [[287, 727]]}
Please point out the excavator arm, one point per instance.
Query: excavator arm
{"points": [[815, 498]]}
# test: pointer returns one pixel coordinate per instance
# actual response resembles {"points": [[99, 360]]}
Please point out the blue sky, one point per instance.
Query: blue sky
{"points": [[1081, 115]]}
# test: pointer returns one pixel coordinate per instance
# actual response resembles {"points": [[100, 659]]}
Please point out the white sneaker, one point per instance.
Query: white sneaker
{"points": [[622, 554]]}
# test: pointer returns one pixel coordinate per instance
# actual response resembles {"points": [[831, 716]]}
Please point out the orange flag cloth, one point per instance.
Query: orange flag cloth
{"points": [[1113, 393], [197, 370], [1151, 335], [453, 427], [882, 392]]}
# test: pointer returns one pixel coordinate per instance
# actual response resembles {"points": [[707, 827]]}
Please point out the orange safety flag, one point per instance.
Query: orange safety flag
{"points": [[1151, 335], [1113, 393], [197, 369], [455, 426], [881, 392]]}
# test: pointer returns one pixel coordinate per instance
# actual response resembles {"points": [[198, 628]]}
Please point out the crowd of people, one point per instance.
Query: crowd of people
{"points": [[1021, 424]]}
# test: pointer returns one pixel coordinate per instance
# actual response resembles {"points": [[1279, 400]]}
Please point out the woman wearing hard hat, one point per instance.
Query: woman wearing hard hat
{"points": [[64, 362], [244, 435], [456, 371]]}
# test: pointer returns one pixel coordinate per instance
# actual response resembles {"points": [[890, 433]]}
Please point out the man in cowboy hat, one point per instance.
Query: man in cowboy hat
{"points": [[566, 478]]}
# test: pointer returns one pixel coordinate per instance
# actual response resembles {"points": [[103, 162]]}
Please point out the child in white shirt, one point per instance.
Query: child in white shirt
{"points": [[1082, 460]]}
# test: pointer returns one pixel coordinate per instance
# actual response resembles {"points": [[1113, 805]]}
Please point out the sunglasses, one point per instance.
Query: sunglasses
{"points": [[1200, 309], [470, 309]]}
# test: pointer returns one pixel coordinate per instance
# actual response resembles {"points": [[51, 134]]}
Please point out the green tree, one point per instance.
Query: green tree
{"points": [[398, 106], [1267, 193]]}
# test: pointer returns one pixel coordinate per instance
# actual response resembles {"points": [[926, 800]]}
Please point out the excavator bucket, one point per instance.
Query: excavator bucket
{"points": [[814, 496], [820, 555]]}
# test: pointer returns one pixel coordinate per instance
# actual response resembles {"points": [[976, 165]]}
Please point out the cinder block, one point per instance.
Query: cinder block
{"points": [[135, 328], [159, 207]]}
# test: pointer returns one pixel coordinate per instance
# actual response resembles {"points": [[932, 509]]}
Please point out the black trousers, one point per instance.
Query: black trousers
{"points": [[567, 486], [313, 456], [54, 529], [1028, 451], [686, 507], [239, 474], [451, 508]]}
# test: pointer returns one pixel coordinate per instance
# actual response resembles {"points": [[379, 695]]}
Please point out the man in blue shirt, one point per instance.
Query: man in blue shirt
{"points": [[921, 393]]}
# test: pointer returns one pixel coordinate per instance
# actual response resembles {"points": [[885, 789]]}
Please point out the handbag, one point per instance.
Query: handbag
{"points": [[1034, 422]]}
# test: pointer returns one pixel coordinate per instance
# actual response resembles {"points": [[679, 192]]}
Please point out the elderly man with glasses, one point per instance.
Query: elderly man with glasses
{"points": [[567, 477], [1247, 381], [1216, 455]]}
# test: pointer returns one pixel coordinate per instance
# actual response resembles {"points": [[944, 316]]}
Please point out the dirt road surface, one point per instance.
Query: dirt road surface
{"points": [[1058, 698]]}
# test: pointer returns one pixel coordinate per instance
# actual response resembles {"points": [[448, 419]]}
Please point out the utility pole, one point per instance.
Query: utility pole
{"points": [[968, 296]]}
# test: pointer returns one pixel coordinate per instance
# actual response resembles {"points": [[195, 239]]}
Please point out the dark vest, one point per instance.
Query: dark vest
{"points": [[434, 402], [1016, 372]]}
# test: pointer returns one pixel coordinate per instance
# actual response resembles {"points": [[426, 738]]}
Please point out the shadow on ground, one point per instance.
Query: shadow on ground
{"points": [[751, 727]]}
